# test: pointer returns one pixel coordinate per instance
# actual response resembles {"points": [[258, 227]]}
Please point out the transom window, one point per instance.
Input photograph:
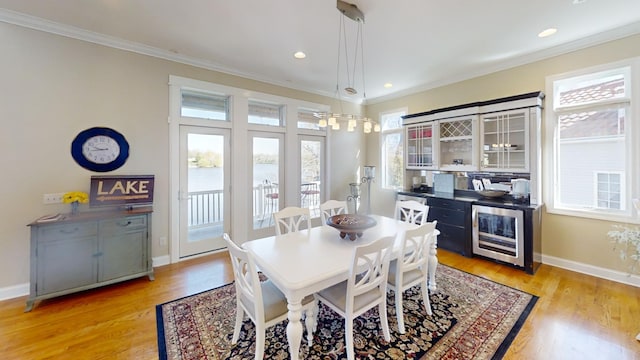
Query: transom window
{"points": [[263, 113], [198, 104], [308, 120]]}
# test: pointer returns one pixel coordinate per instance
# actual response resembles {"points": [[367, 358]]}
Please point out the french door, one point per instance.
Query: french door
{"points": [[204, 199], [266, 181]]}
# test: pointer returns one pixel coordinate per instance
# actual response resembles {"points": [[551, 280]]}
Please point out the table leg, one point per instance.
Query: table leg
{"points": [[432, 263], [294, 328]]}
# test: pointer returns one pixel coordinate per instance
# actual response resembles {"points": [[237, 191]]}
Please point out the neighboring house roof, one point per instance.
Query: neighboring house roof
{"points": [[593, 123]]}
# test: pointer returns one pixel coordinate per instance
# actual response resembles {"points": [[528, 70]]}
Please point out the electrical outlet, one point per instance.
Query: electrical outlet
{"points": [[163, 241], [52, 198]]}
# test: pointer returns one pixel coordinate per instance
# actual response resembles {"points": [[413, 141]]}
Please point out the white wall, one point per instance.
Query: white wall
{"points": [[54, 87]]}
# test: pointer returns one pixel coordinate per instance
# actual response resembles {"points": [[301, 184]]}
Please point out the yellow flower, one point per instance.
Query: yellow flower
{"points": [[73, 196]]}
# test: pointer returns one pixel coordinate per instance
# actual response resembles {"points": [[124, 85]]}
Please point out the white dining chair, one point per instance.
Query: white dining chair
{"points": [[412, 211], [330, 208], [261, 301], [411, 269], [290, 219], [364, 289]]}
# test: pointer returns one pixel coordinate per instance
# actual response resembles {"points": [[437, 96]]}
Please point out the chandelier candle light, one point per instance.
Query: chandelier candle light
{"points": [[334, 119]]}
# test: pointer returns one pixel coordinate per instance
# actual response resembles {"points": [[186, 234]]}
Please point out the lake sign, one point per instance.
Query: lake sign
{"points": [[114, 190]]}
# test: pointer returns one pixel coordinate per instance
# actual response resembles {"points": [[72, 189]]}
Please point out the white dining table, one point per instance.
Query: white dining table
{"points": [[305, 262]]}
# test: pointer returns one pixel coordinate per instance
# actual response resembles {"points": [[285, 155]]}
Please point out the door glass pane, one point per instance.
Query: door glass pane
{"points": [[205, 191], [266, 194], [310, 171]]}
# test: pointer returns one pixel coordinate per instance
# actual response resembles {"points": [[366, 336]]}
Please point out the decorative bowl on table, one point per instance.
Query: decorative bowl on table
{"points": [[351, 225]]}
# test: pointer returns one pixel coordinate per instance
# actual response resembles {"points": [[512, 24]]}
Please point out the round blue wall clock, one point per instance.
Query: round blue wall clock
{"points": [[100, 149]]}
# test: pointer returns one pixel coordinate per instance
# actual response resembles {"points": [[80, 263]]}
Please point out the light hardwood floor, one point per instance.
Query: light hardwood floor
{"points": [[576, 317]]}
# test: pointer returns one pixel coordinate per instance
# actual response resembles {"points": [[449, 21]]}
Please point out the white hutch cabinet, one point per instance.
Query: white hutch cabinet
{"points": [[501, 135]]}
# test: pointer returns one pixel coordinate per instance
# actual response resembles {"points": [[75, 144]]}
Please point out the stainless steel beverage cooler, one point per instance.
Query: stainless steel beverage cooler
{"points": [[498, 233]]}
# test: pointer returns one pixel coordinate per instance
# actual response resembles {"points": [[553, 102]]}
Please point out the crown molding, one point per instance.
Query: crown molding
{"points": [[52, 27]]}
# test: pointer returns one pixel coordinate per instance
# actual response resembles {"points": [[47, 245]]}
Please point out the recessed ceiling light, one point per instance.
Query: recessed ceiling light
{"points": [[547, 32], [388, 85], [576, 2], [299, 55]]}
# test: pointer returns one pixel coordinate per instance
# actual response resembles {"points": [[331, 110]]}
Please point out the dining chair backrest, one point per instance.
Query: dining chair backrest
{"points": [[260, 300], [412, 211], [247, 282], [411, 267], [368, 275], [330, 208], [416, 246], [291, 219]]}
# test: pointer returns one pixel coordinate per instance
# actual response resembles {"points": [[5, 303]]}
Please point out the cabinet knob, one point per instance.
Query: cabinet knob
{"points": [[125, 223]]}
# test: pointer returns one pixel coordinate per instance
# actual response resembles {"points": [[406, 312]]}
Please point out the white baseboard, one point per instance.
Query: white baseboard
{"points": [[613, 275], [161, 260], [14, 291]]}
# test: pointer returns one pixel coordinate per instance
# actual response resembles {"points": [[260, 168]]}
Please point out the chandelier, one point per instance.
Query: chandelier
{"points": [[334, 120]]}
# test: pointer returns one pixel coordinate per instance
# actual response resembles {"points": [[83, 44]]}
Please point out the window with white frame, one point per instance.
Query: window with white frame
{"points": [[592, 134], [203, 105], [392, 156], [263, 113]]}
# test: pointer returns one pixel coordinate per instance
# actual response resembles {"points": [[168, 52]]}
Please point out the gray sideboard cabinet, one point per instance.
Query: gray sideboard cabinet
{"points": [[88, 250]]}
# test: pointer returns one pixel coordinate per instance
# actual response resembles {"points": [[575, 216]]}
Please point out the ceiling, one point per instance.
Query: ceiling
{"points": [[413, 44]]}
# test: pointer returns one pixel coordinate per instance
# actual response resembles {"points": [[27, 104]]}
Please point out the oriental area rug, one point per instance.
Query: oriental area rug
{"points": [[473, 318]]}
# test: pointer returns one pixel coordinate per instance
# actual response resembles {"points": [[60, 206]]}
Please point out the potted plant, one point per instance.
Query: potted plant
{"points": [[627, 243]]}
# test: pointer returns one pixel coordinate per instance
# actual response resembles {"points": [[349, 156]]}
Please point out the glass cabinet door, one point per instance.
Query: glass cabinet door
{"points": [[458, 149], [420, 146], [505, 141]]}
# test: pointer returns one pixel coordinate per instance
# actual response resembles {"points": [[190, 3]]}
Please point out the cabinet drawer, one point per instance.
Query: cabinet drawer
{"points": [[65, 231], [447, 204], [122, 225], [447, 216]]}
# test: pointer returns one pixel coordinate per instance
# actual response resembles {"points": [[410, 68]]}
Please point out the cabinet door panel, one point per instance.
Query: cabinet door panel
{"points": [[123, 255], [452, 238], [66, 264]]}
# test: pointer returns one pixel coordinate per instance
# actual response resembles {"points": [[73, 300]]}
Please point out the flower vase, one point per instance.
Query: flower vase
{"points": [[75, 208]]}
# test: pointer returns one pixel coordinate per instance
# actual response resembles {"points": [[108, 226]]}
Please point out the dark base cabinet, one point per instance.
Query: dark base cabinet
{"points": [[454, 217]]}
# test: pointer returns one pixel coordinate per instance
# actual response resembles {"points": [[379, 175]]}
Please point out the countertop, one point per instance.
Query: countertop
{"points": [[471, 196]]}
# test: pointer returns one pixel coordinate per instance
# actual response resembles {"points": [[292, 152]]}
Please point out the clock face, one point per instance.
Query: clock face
{"points": [[100, 149]]}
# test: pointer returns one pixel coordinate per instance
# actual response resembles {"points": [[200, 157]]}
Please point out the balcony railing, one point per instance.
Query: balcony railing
{"points": [[205, 208]]}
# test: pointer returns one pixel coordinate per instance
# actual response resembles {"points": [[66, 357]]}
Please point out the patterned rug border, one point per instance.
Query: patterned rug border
{"points": [[162, 345], [499, 354]]}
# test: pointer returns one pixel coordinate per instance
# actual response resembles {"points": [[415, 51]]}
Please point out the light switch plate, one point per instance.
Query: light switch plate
{"points": [[52, 198]]}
